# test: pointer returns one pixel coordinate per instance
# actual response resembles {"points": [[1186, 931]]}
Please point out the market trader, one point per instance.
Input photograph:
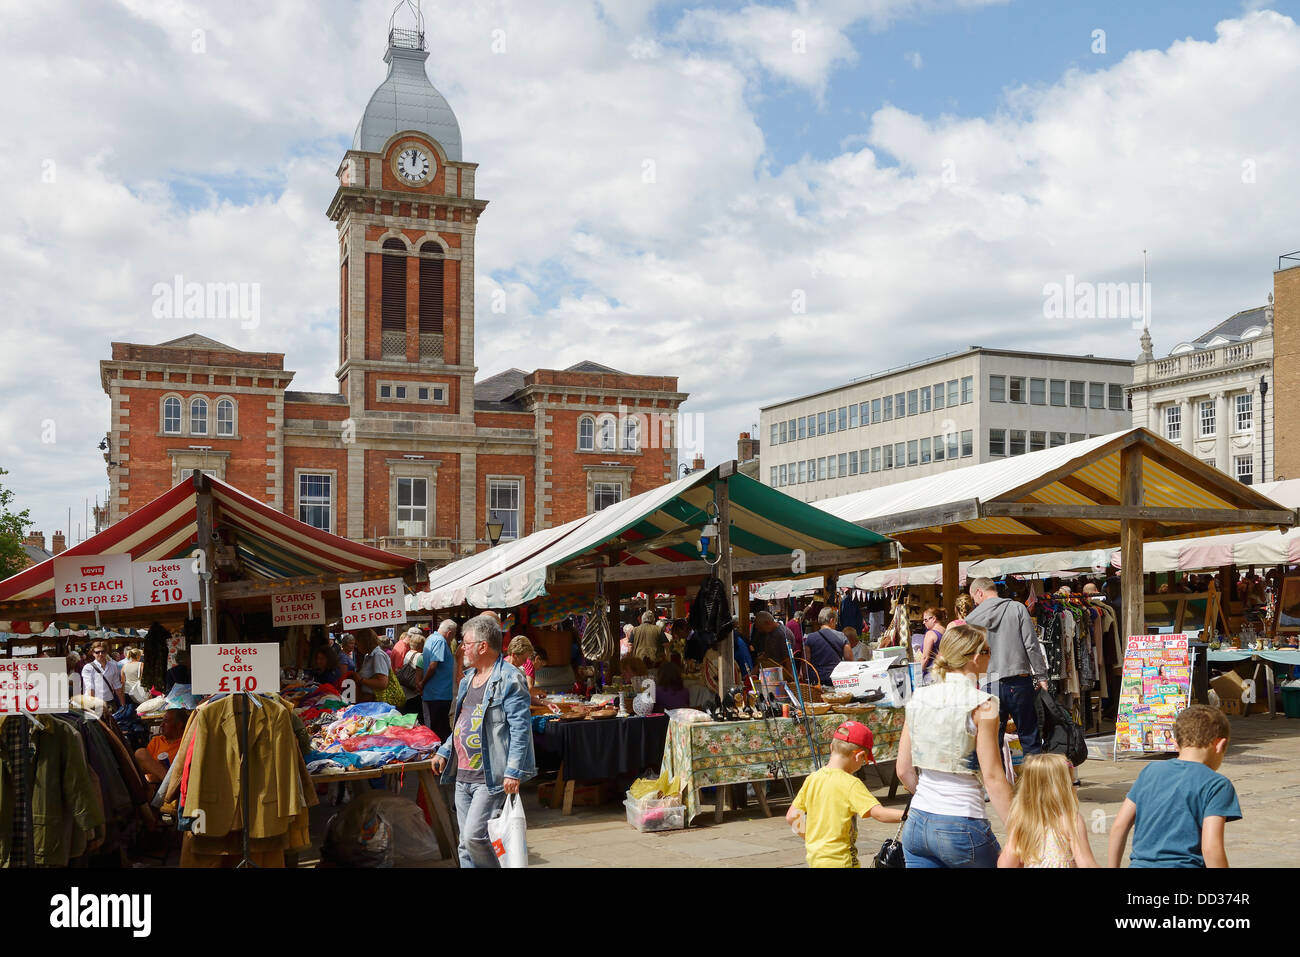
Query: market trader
{"points": [[492, 739], [1017, 664], [102, 678]]}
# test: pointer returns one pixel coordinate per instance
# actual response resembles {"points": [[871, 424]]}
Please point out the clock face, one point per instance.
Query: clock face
{"points": [[414, 165]]}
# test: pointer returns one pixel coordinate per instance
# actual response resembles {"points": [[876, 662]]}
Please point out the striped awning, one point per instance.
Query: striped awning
{"points": [[270, 545], [651, 532]]}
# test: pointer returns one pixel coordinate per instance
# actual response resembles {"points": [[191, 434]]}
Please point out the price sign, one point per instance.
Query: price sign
{"points": [[167, 582], [222, 668], [86, 582], [33, 685], [376, 604], [297, 608]]}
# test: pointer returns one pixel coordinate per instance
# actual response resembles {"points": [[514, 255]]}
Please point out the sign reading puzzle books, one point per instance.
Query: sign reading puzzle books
{"points": [[1154, 687]]}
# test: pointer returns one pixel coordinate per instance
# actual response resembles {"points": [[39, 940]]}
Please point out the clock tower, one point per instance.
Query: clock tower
{"points": [[406, 215]]}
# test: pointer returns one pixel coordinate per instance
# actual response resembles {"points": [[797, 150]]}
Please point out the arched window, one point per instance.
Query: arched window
{"points": [[586, 434], [431, 289], [171, 424], [225, 417], [607, 432], [392, 311], [198, 415], [631, 433]]}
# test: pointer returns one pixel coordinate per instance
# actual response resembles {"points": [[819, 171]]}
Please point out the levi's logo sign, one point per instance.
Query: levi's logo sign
{"points": [[92, 569]]}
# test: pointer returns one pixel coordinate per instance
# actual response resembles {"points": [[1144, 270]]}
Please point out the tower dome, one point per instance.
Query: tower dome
{"points": [[406, 100]]}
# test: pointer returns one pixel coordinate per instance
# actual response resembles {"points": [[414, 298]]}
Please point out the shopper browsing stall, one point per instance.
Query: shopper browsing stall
{"points": [[1017, 663], [102, 677]]}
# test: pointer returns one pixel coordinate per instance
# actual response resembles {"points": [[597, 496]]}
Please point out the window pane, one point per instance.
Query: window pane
{"points": [[925, 451], [1096, 395], [853, 463], [821, 423], [314, 500], [844, 418], [1245, 469], [803, 427], [1017, 444], [912, 407], [1038, 392], [997, 442], [199, 417], [997, 388], [844, 464], [1016, 389], [607, 434], [900, 404], [803, 470], [781, 437], [925, 398], [1174, 423], [832, 467], [889, 407], [953, 446], [172, 415], [1116, 397], [952, 392], [900, 454], [503, 506], [586, 434], [911, 452], [1207, 417], [967, 389], [875, 459], [772, 477], [776, 434], [1245, 411], [606, 494], [888, 453], [875, 411], [821, 468], [225, 417], [967, 443], [853, 416], [938, 395], [632, 433], [1058, 439], [1058, 392], [1076, 394], [938, 448], [1037, 441]]}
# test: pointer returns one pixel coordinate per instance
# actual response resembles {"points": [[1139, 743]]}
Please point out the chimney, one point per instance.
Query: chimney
{"points": [[744, 447], [697, 465], [57, 543], [35, 539]]}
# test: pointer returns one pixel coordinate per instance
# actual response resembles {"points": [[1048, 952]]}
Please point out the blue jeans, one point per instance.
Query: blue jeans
{"points": [[475, 805], [1016, 696], [940, 840]]}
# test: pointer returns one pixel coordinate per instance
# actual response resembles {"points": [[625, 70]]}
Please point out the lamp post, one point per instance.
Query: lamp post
{"points": [[494, 532], [1263, 394]]}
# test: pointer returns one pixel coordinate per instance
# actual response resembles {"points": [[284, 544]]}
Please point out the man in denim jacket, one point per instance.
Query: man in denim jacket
{"points": [[491, 738]]}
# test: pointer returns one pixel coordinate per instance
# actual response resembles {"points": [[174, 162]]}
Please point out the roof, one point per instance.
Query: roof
{"points": [[501, 386], [406, 100], [37, 554], [270, 544], [947, 356], [1232, 327], [651, 536], [586, 365], [317, 398], [1066, 498], [196, 341]]}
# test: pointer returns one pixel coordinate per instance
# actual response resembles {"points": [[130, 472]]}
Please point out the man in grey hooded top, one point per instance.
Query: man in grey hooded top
{"points": [[1017, 664]]}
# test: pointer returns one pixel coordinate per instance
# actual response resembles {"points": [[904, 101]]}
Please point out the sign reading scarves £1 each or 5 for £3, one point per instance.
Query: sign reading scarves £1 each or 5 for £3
{"points": [[1154, 687], [87, 582], [297, 608], [376, 604]]}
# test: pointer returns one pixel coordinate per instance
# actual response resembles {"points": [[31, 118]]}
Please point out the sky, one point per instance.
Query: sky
{"points": [[763, 199]]}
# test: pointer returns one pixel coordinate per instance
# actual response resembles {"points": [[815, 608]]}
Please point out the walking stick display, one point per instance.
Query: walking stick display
{"points": [[803, 710]]}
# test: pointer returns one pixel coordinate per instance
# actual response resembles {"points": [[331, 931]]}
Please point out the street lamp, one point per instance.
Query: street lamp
{"points": [[1263, 394], [494, 530]]}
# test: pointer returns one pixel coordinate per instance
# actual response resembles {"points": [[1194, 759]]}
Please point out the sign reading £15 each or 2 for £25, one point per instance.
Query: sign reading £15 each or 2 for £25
{"points": [[168, 581], [376, 604], [297, 608], [87, 582], [33, 685], [240, 667]]}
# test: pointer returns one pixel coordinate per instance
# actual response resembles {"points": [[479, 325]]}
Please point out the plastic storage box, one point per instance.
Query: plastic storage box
{"points": [[1291, 701], [656, 815]]}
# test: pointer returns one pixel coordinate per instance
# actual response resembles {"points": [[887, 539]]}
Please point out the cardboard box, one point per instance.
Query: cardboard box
{"points": [[887, 675], [1230, 686]]}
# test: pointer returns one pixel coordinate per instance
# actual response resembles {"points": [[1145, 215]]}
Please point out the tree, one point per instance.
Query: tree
{"points": [[13, 529]]}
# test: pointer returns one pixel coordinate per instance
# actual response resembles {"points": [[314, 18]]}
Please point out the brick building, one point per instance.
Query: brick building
{"points": [[411, 452], [1286, 367]]}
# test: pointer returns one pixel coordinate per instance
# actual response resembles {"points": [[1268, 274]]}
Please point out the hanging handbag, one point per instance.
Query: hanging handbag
{"points": [[891, 851]]}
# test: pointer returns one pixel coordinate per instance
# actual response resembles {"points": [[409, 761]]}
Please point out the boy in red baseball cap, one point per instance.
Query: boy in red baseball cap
{"points": [[834, 798]]}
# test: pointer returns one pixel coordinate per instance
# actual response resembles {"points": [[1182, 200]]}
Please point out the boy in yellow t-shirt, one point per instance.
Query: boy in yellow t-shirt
{"points": [[833, 799]]}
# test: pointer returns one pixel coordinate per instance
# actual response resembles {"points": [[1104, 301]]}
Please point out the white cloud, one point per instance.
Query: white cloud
{"points": [[913, 59], [923, 235]]}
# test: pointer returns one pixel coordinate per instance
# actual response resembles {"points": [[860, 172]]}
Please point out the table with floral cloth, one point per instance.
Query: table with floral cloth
{"points": [[708, 754]]}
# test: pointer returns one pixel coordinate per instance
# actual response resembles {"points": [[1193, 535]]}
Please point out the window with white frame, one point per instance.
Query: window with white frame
{"points": [[1245, 468], [843, 417], [1016, 389], [925, 451], [887, 452], [1037, 441], [1096, 395], [967, 390], [1116, 397], [844, 464], [832, 470], [607, 430], [225, 417], [1058, 392], [412, 507], [1077, 394], [853, 463], [784, 431], [586, 434], [775, 434], [771, 478], [1016, 444], [938, 395], [997, 388], [171, 418], [316, 500], [967, 443], [503, 506], [853, 416], [1058, 439], [875, 458], [781, 479], [803, 427], [1038, 392], [925, 398], [632, 433], [912, 452], [198, 415], [606, 494], [1245, 411], [997, 441], [1207, 417], [900, 455], [952, 392], [939, 446], [1174, 423]]}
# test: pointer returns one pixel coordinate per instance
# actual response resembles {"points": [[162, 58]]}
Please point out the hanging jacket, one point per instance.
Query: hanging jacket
{"points": [[60, 793], [711, 612], [1057, 730]]}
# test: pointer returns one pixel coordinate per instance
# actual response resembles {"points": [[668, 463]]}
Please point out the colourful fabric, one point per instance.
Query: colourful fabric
{"points": [[467, 737], [736, 752], [833, 799]]}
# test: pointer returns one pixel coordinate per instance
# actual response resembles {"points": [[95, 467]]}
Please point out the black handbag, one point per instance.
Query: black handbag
{"points": [[891, 851]]}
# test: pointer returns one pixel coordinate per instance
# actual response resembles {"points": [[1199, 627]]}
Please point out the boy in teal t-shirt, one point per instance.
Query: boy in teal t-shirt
{"points": [[1180, 806]]}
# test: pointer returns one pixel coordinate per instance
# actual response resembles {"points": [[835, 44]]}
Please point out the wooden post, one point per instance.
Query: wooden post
{"points": [[1130, 543], [742, 603], [203, 522], [727, 648], [951, 578]]}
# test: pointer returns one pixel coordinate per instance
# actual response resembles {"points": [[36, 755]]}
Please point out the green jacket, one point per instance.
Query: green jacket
{"points": [[62, 794]]}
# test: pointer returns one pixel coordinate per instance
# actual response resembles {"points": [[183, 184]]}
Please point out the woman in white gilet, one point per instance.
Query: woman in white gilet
{"points": [[950, 740]]}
